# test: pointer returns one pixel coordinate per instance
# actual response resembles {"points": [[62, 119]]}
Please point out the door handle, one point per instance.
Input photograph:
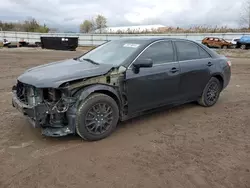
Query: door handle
{"points": [[209, 64], [174, 70]]}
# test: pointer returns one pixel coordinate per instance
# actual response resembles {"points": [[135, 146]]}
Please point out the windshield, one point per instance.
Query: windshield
{"points": [[114, 52]]}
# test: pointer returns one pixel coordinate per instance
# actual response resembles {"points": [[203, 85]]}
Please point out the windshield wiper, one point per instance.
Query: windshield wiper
{"points": [[91, 61]]}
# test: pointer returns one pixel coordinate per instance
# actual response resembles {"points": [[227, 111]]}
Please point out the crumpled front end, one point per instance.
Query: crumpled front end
{"points": [[46, 108]]}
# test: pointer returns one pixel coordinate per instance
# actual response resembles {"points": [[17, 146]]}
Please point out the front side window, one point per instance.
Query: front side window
{"points": [[160, 52]]}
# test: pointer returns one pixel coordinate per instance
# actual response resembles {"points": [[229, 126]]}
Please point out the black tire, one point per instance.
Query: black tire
{"points": [[93, 131], [206, 44], [243, 46], [210, 97], [224, 47]]}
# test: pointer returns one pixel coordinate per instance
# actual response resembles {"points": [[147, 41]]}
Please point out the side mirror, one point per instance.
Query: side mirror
{"points": [[143, 63]]}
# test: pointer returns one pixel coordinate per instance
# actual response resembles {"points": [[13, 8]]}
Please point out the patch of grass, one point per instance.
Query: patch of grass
{"points": [[234, 53]]}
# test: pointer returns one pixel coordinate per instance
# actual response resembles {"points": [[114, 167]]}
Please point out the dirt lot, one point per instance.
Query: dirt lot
{"points": [[234, 53], [189, 146]]}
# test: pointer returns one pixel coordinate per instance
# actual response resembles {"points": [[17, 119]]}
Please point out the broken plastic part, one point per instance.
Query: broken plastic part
{"points": [[110, 78]]}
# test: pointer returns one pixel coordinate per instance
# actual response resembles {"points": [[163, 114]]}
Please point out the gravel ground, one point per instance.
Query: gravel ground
{"points": [[185, 147]]}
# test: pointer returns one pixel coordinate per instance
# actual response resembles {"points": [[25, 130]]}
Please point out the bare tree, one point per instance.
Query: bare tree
{"points": [[101, 22], [245, 14]]}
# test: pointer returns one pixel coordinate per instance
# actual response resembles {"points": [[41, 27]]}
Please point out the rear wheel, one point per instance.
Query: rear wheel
{"points": [[243, 46], [210, 93], [97, 117]]}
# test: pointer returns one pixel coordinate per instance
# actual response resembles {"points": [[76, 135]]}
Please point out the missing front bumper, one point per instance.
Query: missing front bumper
{"points": [[37, 118], [28, 111]]}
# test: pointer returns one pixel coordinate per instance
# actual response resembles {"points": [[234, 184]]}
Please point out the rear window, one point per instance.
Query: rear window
{"points": [[203, 53]]}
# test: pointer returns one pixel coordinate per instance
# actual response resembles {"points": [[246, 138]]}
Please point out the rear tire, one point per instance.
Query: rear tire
{"points": [[97, 117], [243, 47], [210, 93]]}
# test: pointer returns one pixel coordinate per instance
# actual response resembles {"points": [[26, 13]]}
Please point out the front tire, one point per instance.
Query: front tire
{"points": [[97, 117], [206, 44], [224, 47], [210, 93]]}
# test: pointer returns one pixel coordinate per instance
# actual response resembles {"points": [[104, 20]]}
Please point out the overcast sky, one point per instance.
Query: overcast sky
{"points": [[68, 14]]}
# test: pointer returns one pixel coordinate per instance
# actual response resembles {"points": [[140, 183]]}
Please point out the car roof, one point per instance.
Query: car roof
{"points": [[151, 39], [145, 41]]}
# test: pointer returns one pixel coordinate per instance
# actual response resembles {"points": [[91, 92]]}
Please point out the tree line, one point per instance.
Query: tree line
{"points": [[29, 25], [98, 23]]}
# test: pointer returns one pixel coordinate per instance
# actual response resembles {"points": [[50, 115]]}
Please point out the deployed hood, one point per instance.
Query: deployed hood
{"points": [[54, 74]]}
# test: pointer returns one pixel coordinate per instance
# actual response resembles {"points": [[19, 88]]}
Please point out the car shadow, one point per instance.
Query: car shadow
{"points": [[157, 113], [126, 125]]}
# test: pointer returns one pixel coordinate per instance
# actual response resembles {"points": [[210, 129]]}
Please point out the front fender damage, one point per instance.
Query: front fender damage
{"points": [[61, 112]]}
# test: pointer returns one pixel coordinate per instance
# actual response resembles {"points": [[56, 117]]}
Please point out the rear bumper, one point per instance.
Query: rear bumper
{"points": [[226, 76]]}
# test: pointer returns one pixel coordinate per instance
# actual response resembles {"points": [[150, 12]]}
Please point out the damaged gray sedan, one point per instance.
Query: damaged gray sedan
{"points": [[116, 81]]}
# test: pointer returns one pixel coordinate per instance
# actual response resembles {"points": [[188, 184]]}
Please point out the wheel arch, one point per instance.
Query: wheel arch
{"points": [[98, 88], [220, 78]]}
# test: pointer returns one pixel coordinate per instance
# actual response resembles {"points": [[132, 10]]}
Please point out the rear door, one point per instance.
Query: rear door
{"points": [[217, 43], [195, 65]]}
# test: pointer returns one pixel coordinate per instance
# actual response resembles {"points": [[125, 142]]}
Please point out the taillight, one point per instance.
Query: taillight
{"points": [[229, 63]]}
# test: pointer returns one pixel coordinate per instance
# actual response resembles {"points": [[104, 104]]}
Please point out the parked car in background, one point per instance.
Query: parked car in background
{"points": [[234, 42], [214, 42], [243, 42], [119, 80], [6, 42]]}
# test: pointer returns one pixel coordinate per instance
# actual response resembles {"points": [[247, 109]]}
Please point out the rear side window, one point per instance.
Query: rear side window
{"points": [[187, 50], [203, 53]]}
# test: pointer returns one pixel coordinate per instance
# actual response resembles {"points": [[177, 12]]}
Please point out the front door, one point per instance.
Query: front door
{"points": [[157, 85]]}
